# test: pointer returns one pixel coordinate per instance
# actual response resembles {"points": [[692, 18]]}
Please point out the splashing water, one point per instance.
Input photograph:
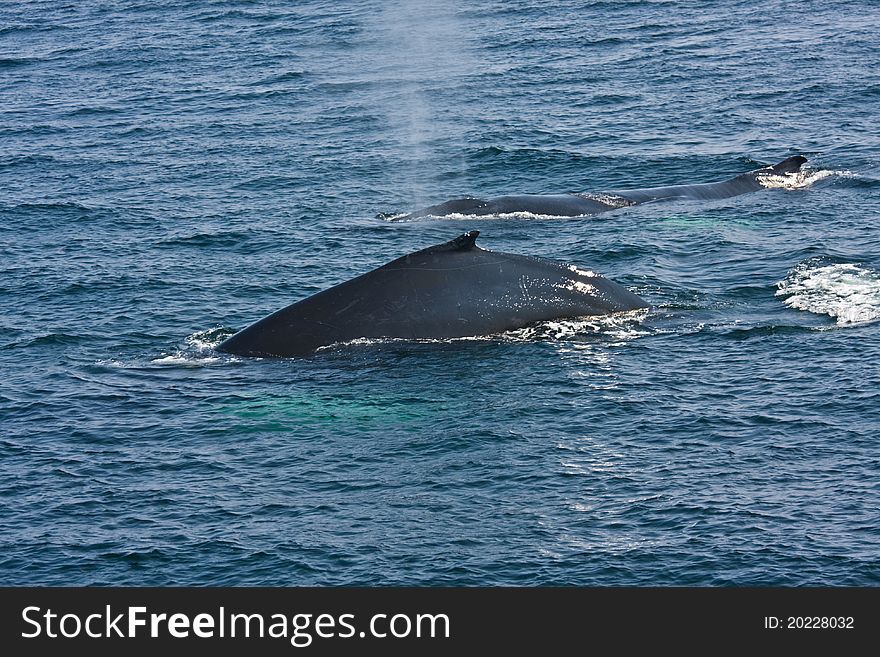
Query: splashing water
{"points": [[847, 292], [198, 349], [802, 179], [624, 325]]}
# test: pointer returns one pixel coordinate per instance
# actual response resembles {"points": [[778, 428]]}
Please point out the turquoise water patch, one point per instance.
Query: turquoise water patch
{"points": [[701, 222]]}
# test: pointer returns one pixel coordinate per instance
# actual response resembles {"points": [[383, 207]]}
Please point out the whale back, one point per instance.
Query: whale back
{"points": [[455, 289], [573, 205], [741, 184]]}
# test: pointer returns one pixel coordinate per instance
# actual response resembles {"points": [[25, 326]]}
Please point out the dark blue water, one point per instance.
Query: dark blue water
{"points": [[171, 172]]}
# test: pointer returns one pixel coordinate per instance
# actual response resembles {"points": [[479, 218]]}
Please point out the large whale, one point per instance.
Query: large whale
{"points": [[450, 290], [574, 205]]}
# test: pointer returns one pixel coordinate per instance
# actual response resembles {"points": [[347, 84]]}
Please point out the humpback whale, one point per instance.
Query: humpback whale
{"points": [[450, 290], [574, 205]]}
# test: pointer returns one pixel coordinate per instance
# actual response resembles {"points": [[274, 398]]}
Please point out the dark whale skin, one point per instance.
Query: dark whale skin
{"points": [[576, 205], [450, 290]]}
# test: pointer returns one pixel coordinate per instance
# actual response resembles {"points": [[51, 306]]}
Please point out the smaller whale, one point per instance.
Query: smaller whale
{"points": [[575, 205], [450, 290]]}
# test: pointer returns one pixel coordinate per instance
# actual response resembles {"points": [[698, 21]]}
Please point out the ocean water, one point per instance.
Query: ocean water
{"points": [[171, 172]]}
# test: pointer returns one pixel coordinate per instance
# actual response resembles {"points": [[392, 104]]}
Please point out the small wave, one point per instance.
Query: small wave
{"points": [[612, 99], [22, 160], [42, 207], [488, 152], [392, 216], [220, 239], [111, 363], [14, 62], [263, 183], [847, 292], [182, 359], [459, 216], [213, 16], [94, 110], [279, 77], [49, 340], [763, 330], [802, 179], [198, 349]]}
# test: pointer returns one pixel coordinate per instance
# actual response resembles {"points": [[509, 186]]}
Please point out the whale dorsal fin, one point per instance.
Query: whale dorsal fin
{"points": [[789, 165], [464, 242]]}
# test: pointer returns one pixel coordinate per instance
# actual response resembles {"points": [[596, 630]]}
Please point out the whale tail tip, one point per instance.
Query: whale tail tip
{"points": [[789, 165]]}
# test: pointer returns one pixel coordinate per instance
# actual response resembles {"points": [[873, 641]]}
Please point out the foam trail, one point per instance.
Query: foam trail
{"points": [[459, 216], [802, 179], [847, 292]]}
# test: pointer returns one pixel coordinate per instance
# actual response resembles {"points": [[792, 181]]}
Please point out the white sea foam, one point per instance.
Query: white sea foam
{"points": [[460, 216], [619, 326], [198, 349], [799, 179], [847, 292], [180, 358], [625, 325], [205, 341], [111, 362]]}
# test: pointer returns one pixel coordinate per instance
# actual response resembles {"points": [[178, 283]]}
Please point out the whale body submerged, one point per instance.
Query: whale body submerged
{"points": [[574, 205], [451, 290]]}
